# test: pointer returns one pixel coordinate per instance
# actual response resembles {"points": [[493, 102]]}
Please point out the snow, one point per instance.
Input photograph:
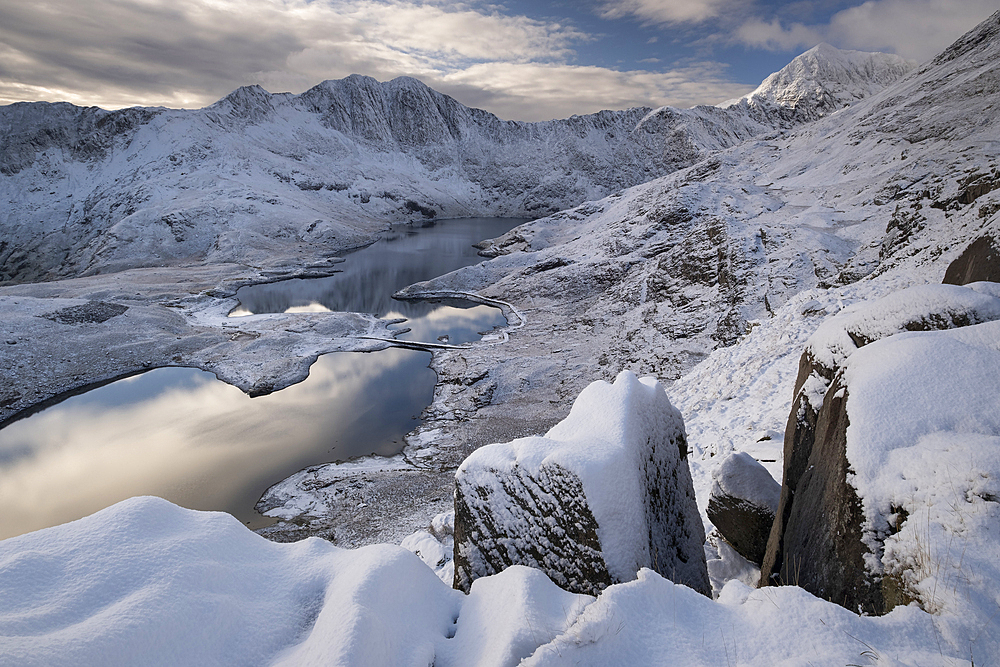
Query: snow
{"points": [[740, 476], [435, 545], [924, 440], [148, 583], [829, 78], [777, 234], [651, 621], [508, 615], [920, 306]]}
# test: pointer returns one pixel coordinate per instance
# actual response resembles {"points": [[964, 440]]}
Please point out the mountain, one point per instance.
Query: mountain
{"points": [[825, 79], [256, 174], [715, 275]]}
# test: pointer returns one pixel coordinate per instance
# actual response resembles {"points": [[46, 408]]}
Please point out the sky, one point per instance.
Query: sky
{"points": [[520, 59]]}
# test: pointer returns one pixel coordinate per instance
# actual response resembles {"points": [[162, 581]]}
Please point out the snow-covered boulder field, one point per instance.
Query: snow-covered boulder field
{"points": [[606, 492], [892, 450]]}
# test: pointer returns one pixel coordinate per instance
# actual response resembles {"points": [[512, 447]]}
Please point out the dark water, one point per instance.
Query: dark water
{"points": [[370, 276], [181, 434]]}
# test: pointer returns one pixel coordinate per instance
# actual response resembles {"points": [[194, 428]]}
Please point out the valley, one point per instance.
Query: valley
{"points": [[710, 248]]}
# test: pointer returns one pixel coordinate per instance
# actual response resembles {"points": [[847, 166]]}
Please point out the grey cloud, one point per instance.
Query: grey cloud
{"points": [[187, 53]]}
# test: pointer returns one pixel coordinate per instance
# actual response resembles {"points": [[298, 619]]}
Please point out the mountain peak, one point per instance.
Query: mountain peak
{"points": [[825, 79], [248, 102]]}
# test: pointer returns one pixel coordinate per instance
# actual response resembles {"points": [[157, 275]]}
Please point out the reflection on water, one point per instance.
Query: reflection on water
{"points": [[370, 276], [452, 325], [181, 434]]}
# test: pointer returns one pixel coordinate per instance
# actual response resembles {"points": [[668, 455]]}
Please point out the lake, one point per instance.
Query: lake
{"points": [[181, 434]]}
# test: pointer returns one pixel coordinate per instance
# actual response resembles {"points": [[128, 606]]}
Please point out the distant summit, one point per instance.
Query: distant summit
{"points": [[825, 79]]}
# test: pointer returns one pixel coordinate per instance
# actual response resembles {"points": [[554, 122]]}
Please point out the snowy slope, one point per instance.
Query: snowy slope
{"points": [[148, 583], [258, 176], [717, 275], [825, 79]]}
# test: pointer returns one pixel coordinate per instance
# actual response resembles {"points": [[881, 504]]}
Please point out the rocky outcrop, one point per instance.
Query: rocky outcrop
{"points": [[605, 492], [980, 261], [818, 539], [742, 504]]}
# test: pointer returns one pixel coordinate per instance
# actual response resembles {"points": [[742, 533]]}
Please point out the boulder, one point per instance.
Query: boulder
{"points": [[980, 261], [742, 504], [605, 492], [821, 538]]}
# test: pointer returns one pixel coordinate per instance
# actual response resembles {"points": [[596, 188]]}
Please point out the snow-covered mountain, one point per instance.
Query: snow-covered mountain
{"points": [[245, 179], [825, 79]]}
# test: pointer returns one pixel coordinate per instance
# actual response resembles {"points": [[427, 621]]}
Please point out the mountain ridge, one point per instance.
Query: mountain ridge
{"points": [[90, 190]]}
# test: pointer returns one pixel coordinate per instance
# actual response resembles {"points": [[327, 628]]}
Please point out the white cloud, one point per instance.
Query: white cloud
{"points": [[191, 52], [114, 53], [915, 29], [773, 36], [666, 11], [918, 29], [557, 91]]}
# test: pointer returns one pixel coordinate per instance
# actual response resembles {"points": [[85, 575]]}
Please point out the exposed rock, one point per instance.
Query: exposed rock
{"points": [[742, 504], [605, 492], [92, 312], [980, 261], [817, 538]]}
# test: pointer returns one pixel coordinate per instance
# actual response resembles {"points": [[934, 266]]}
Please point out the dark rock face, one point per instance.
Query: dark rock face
{"points": [[742, 504], [980, 261], [566, 547], [816, 541], [92, 312], [822, 539]]}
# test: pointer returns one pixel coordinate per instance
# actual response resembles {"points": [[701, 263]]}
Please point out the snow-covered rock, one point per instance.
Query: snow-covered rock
{"points": [[825, 79], [742, 504], [604, 493], [147, 583], [820, 540]]}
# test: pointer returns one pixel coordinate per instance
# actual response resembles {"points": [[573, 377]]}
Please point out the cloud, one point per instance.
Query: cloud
{"points": [[557, 91], [192, 52], [773, 36], [665, 11], [915, 29], [189, 53]]}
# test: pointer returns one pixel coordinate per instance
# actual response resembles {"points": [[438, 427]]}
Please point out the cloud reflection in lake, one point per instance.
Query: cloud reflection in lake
{"points": [[181, 434]]}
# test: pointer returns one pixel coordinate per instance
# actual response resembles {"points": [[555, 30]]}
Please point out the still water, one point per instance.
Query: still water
{"points": [[369, 277], [181, 434]]}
